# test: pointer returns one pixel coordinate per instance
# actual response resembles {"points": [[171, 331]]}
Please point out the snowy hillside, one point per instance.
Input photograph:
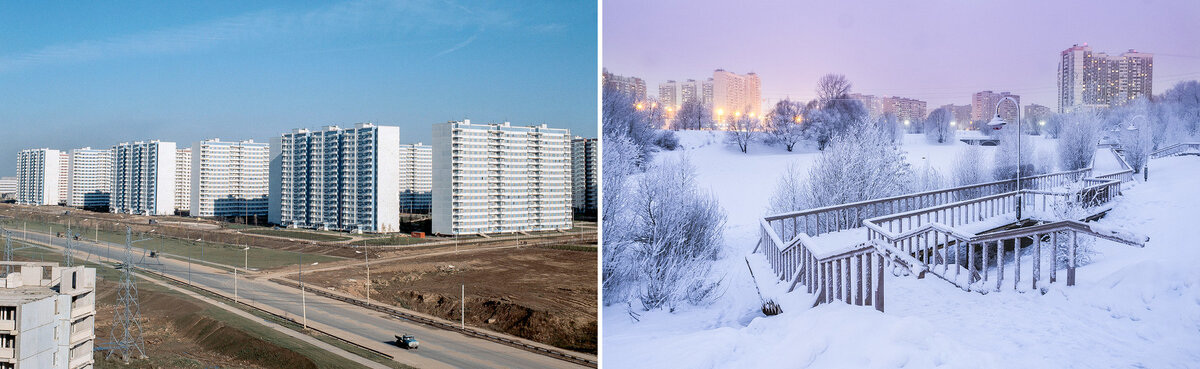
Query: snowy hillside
{"points": [[1132, 307]]}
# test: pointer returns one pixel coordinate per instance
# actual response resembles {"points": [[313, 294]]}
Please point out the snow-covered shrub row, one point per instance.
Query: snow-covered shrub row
{"points": [[859, 164], [1077, 138]]}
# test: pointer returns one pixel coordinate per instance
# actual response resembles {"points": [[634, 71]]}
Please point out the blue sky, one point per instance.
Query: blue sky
{"points": [[98, 73]]}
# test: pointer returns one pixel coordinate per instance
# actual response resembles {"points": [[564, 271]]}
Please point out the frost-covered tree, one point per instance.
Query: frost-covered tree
{"points": [[783, 123], [743, 129], [1079, 133], [1137, 143], [1004, 165], [692, 115], [970, 168], [1185, 100], [832, 87], [833, 118], [938, 128], [676, 235], [620, 116], [621, 158], [890, 126], [1045, 161], [858, 165], [1053, 126]]}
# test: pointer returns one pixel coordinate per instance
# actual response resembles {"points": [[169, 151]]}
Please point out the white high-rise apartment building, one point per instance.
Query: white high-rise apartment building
{"points": [[143, 178], [585, 174], [183, 180], [337, 178], [47, 321], [8, 187], [416, 178], [633, 86], [736, 93], [90, 178], [39, 175], [64, 176], [229, 179], [1095, 79], [668, 94], [490, 178]]}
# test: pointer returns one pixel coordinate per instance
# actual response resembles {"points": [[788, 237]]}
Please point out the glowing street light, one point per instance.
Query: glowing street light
{"points": [[1042, 123], [953, 123], [639, 106], [906, 122], [799, 119]]}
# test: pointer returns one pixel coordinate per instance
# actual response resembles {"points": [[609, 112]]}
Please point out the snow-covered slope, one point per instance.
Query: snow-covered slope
{"points": [[1132, 307]]}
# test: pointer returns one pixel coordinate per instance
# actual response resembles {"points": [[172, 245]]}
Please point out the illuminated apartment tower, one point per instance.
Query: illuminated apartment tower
{"points": [[39, 173], [736, 93], [90, 179], [416, 178], [337, 179], [143, 178], [47, 316], [1095, 79], [495, 178], [229, 179], [585, 174], [183, 180], [668, 94]]}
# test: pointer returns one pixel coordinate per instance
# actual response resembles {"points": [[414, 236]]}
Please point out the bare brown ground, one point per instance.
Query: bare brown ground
{"points": [[540, 294], [179, 334]]}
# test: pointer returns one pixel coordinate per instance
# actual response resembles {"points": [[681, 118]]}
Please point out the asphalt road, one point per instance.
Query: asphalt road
{"points": [[439, 348]]}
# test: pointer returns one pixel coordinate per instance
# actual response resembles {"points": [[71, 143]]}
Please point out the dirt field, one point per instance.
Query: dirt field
{"points": [[180, 334], [542, 294]]}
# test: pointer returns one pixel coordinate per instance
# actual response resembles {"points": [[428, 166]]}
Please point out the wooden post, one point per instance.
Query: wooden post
{"points": [[1017, 258], [879, 289], [1054, 259], [1071, 262]]}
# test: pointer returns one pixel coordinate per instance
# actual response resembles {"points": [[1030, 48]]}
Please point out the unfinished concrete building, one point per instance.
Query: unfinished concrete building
{"points": [[47, 316]]}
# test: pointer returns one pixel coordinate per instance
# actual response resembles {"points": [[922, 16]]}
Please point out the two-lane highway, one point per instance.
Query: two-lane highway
{"points": [[439, 348]]}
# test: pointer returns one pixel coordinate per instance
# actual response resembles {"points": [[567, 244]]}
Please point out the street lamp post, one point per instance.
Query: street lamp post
{"points": [[303, 299], [1134, 129], [997, 123]]}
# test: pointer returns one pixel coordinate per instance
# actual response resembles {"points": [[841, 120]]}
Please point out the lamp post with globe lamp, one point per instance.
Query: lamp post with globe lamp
{"points": [[997, 123]]}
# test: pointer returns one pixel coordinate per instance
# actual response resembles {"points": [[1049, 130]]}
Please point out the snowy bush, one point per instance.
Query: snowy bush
{"points": [[783, 123], [1073, 208], [1005, 160], [938, 128], [675, 234], [926, 178], [861, 164], [621, 159], [969, 169], [1078, 136]]}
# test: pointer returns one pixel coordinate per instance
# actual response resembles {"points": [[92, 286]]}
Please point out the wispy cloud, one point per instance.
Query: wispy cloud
{"points": [[404, 15], [460, 44]]}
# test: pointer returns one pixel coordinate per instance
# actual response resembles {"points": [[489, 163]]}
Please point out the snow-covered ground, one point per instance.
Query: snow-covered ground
{"points": [[1132, 307]]}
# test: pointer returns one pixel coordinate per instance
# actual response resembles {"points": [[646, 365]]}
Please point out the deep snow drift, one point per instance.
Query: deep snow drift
{"points": [[1132, 307]]}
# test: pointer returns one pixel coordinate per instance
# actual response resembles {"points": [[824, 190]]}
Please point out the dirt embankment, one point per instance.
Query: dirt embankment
{"points": [[540, 294], [179, 334]]}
